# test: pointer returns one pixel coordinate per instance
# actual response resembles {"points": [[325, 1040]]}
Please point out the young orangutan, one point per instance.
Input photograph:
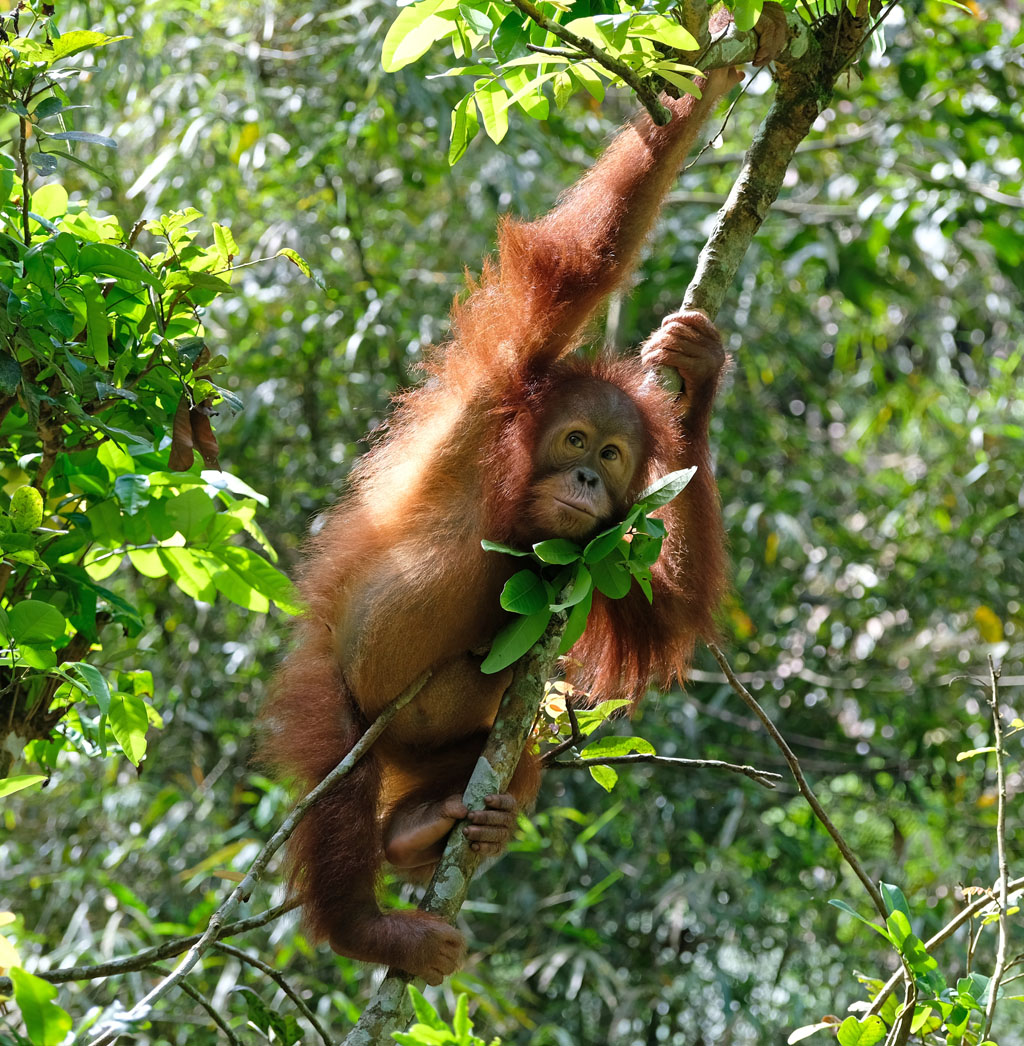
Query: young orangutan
{"points": [[512, 439]]}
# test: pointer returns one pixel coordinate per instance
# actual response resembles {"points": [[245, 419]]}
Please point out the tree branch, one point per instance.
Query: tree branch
{"points": [[767, 778], [390, 1008], [108, 1031]]}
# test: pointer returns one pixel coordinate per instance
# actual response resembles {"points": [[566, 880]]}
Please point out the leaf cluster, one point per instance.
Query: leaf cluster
{"points": [[570, 573]]}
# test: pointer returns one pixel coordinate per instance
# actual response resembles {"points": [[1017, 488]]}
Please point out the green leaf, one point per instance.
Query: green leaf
{"points": [[464, 128], [492, 101], [415, 30], [425, 1012], [33, 621], [26, 509], [663, 490], [107, 260], [264, 578], [604, 543], [844, 907], [294, 256], [899, 928], [582, 585], [664, 30], [510, 38], [894, 899], [526, 93], [10, 785], [10, 374], [605, 776], [557, 550], [611, 577], [95, 684], [227, 248], [513, 641], [854, 1032], [745, 14], [132, 492], [189, 572], [129, 723], [191, 512], [576, 623], [77, 40], [84, 136], [524, 593], [97, 328], [604, 747], [46, 1023]]}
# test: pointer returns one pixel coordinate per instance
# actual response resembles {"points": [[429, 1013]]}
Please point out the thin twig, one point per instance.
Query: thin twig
{"points": [[278, 978], [211, 1010], [145, 959], [1004, 873], [762, 777], [243, 890], [805, 789]]}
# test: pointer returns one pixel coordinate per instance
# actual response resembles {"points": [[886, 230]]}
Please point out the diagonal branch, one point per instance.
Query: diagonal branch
{"points": [[113, 1027], [390, 1008]]}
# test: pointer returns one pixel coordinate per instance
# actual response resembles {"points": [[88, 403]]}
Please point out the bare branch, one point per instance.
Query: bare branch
{"points": [[110, 1030], [762, 777]]}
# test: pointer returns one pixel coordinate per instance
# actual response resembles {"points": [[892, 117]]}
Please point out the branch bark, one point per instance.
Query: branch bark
{"points": [[390, 1008]]}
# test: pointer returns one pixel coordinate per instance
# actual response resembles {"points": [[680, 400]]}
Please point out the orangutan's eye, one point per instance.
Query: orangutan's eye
{"points": [[575, 439]]}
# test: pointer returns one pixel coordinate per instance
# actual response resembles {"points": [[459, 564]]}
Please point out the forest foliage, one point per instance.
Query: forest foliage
{"points": [[869, 447]]}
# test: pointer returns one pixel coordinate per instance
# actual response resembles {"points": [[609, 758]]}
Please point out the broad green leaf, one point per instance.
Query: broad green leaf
{"points": [[604, 747], [683, 83], [844, 907], [107, 260], [527, 95], [605, 776], [524, 593], [85, 136], [464, 128], [10, 785], [604, 543], [264, 578], [129, 723], [190, 513], [95, 684], [611, 577], [76, 40], [51, 200], [26, 509], [899, 927], [33, 621], [227, 248], [46, 1023], [132, 492], [894, 899], [509, 40], [582, 585], [576, 623], [513, 641], [188, 572], [664, 30], [97, 327], [415, 30], [557, 550], [663, 490], [588, 74], [492, 101], [854, 1032], [146, 561]]}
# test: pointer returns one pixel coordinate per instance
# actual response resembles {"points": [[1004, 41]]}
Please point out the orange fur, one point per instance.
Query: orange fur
{"points": [[396, 582]]}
